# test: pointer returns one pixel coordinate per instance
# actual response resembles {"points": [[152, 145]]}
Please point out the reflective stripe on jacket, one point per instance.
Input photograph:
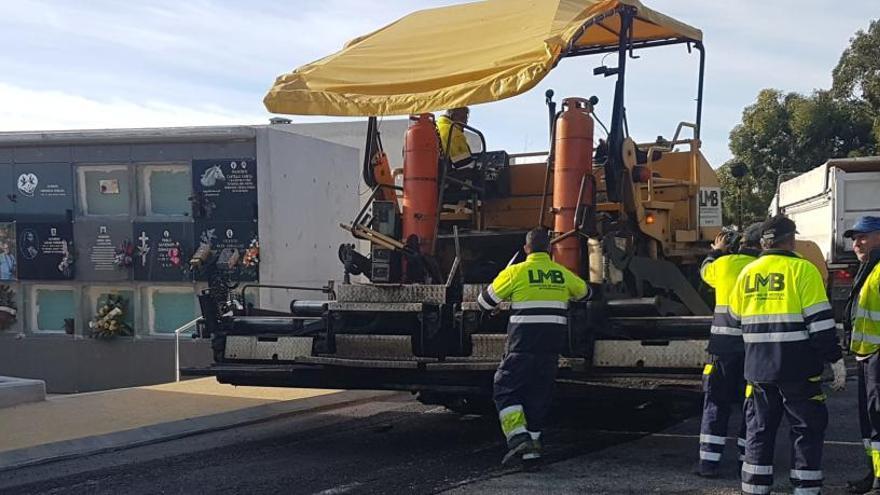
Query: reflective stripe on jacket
{"points": [[788, 328], [720, 272], [539, 291], [866, 321], [459, 150]]}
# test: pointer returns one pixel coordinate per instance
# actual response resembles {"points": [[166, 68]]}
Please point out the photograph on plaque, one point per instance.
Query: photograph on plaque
{"points": [[225, 189], [106, 189], [230, 244], [104, 250], [8, 265], [108, 186], [45, 250], [162, 251], [43, 191]]}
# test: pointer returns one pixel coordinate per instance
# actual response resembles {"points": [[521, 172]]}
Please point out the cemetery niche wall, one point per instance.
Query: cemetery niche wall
{"points": [[156, 192], [127, 223]]}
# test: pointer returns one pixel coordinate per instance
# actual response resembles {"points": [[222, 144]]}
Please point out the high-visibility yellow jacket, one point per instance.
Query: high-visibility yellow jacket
{"points": [[539, 290], [459, 151], [866, 316], [720, 272], [788, 328]]}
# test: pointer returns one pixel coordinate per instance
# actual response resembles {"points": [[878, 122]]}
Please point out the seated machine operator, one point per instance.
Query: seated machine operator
{"points": [[459, 151]]}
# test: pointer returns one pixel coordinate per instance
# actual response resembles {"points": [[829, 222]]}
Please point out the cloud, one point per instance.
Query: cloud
{"points": [[105, 63], [26, 109]]}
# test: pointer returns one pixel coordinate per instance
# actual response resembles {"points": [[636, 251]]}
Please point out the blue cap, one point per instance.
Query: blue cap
{"points": [[863, 226]]}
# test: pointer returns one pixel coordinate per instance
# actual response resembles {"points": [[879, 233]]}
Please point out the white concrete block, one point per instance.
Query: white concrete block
{"points": [[14, 391]]}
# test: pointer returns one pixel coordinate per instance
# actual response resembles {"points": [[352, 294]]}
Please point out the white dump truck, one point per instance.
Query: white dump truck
{"points": [[824, 203]]}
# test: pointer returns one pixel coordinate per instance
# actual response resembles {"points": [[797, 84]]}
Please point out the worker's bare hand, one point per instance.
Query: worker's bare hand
{"points": [[720, 243]]}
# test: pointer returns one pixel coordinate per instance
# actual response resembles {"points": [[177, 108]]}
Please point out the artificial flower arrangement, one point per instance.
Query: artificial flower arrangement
{"points": [[8, 307], [124, 255], [110, 322]]}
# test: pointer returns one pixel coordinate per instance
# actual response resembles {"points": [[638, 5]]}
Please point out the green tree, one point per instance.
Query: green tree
{"points": [[741, 202], [857, 74], [786, 134]]}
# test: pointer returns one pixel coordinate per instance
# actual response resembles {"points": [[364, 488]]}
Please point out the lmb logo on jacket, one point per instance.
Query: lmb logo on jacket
{"points": [[537, 277], [771, 282]]}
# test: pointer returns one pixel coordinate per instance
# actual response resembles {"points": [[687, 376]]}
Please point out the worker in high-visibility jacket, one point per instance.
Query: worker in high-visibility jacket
{"points": [[453, 142], [723, 383], [779, 302], [539, 291], [862, 318]]}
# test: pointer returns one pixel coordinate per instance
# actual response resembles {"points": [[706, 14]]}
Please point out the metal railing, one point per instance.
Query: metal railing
{"points": [[177, 333]]}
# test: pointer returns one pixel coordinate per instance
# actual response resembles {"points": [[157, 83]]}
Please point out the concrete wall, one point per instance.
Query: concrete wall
{"points": [[353, 134], [71, 365], [309, 188]]}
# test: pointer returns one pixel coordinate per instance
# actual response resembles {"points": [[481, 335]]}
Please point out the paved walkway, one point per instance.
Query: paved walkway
{"points": [[67, 425]]}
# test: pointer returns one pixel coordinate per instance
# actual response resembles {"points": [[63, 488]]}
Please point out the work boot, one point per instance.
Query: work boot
{"points": [[863, 485], [535, 449], [708, 469], [531, 458], [517, 446]]}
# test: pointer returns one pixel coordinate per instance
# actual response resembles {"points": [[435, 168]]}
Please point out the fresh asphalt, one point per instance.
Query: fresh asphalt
{"points": [[391, 445]]}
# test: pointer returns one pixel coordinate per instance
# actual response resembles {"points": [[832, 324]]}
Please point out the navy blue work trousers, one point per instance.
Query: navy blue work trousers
{"points": [[803, 405], [526, 379], [723, 390]]}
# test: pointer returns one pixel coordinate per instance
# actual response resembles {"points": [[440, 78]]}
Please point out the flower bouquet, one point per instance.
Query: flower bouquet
{"points": [[8, 307], [110, 322]]}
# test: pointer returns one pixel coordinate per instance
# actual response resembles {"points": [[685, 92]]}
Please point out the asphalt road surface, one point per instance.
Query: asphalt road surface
{"points": [[395, 445]]}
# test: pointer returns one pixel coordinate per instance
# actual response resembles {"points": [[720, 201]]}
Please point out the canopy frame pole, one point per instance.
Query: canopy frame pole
{"points": [[571, 50], [614, 166], [699, 46], [551, 154], [369, 149], [635, 45]]}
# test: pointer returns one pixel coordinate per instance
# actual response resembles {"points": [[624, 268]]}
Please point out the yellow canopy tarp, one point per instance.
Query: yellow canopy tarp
{"points": [[459, 55]]}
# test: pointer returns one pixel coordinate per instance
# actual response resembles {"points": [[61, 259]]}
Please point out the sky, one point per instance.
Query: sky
{"points": [[106, 64]]}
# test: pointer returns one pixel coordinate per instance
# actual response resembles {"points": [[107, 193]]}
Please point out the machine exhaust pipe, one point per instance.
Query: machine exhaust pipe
{"points": [[308, 308]]}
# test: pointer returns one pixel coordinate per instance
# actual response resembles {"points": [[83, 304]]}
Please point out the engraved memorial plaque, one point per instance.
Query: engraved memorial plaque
{"points": [[45, 251], [231, 236], [97, 243], [162, 251], [43, 191], [226, 189]]}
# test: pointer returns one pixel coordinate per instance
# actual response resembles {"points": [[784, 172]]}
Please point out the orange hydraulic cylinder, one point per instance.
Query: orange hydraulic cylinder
{"points": [[574, 161], [420, 175]]}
